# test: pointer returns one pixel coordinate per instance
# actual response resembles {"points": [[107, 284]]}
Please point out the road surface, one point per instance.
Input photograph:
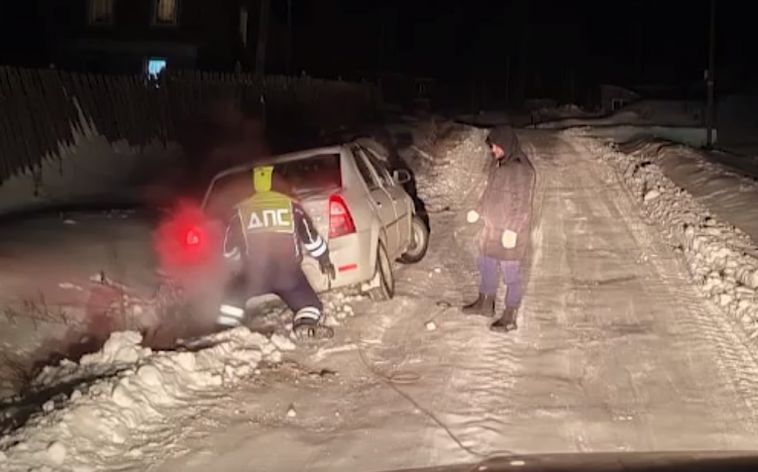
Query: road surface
{"points": [[615, 352]]}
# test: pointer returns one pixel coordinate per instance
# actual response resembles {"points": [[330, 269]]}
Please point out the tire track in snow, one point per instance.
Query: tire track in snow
{"points": [[694, 326]]}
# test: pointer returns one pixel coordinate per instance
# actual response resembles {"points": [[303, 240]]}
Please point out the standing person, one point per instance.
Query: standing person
{"points": [[505, 207], [263, 240]]}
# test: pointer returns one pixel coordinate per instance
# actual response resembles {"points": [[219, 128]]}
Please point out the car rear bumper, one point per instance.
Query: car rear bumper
{"points": [[351, 256]]}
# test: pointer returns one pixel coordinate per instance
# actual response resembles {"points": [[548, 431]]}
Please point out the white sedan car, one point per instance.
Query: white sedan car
{"points": [[358, 205]]}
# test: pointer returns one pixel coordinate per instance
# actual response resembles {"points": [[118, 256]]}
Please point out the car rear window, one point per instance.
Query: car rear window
{"points": [[316, 174], [301, 178]]}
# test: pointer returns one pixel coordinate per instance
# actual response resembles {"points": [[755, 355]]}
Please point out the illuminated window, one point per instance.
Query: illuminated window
{"points": [[155, 66], [165, 12], [101, 12]]}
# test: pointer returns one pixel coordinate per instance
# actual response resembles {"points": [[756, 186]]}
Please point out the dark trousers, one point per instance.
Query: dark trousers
{"points": [[490, 270], [287, 281]]}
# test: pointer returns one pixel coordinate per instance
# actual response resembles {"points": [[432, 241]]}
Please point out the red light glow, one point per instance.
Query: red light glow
{"points": [[187, 240]]}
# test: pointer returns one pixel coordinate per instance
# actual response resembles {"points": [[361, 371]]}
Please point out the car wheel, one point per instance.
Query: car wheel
{"points": [[419, 242], [384, 276]]}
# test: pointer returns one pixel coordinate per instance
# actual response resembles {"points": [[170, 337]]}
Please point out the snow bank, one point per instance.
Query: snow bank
{"points": [[664, 113], [716, 180], [691, 135], [139, 404], [720, 257], [93, 170], [447, 168]]}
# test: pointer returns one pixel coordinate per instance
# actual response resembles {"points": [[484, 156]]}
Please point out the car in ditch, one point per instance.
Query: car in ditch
{"points": [[357, 203]]}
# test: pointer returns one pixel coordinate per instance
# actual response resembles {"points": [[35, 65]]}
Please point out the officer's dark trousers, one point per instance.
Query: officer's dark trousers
{"points": [[286, 280]]}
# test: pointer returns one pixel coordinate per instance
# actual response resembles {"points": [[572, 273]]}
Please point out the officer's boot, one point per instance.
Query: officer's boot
{"points": [[484, 305]]}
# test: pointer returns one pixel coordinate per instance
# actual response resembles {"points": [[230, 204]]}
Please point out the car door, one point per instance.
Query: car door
{"points": [[379, 198], [399, 198]]}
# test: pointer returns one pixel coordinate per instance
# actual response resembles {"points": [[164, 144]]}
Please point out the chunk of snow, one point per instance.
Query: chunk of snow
{"points": [[56, 452], [282, 343], [48, 406], [291, 413], [69, 221], [652, 195], [121, 347], [430, 326], [275, 357], [69, 286]]}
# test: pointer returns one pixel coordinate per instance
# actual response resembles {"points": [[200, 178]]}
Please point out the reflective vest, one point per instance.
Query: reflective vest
{"points": [[267, 212]]}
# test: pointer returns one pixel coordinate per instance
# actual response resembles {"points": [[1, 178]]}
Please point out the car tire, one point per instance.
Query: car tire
{"points": [[419, 242], [386, 279]]}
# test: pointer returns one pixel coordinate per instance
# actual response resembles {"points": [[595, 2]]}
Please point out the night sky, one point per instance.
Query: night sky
{"points": [[555, 42]]}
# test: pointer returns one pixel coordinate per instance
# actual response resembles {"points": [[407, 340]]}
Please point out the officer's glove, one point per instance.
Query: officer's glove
{"points": [[327, 268]]}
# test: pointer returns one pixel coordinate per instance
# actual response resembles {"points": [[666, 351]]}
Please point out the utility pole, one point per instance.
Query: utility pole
{"points": [[709, 113], [260, 52]]}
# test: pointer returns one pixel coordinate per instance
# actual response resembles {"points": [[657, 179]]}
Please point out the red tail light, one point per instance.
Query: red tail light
{"points": [[193, 237], [187, 239], [340, 219]]}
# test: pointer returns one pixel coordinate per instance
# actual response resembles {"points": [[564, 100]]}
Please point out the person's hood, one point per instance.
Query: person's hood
{"points": [[506, 138]]}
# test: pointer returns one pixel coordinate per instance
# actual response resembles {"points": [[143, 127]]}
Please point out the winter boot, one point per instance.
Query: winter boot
{"points": [[311, 330], [484, 305], [507, 322]]}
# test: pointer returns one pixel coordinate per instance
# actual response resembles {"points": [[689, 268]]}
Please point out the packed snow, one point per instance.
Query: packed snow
{"points": [[722, 259]]}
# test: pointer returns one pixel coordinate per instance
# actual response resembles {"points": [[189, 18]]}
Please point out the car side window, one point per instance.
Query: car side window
{"points": [[381, 167], [364, 168]]}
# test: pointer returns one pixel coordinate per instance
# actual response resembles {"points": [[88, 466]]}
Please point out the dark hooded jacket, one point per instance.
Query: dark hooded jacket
{"points": [[506, 203]]}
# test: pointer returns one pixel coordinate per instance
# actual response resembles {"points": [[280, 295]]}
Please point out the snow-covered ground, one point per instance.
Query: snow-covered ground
{"points": [[617, 349]]}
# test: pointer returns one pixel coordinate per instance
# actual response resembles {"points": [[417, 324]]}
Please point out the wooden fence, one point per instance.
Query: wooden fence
{"points": [[42, 111]]}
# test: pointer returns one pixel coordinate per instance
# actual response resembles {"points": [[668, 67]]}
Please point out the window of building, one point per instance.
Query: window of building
{"points": [[165, 12], [100, 12], [154, 66]]}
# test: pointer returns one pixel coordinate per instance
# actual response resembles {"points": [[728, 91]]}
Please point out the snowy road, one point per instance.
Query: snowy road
{"points": [[616, 349]]}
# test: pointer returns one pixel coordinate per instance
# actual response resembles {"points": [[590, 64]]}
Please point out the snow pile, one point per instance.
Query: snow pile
{"points": [[720, 257], [337, 306], [140, 406], [568, 111], [447, 168], [677, 113], [715, 179]]}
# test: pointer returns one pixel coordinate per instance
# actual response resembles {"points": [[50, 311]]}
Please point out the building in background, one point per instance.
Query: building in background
{"points": [[132, 36]]}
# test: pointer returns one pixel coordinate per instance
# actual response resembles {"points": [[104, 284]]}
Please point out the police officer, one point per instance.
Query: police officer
{"points": [[265, 239]]}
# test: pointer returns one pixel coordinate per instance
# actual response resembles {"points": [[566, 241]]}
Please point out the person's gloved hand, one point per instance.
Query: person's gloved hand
{"points": [[327, 268], [509, 238], [472, 216]]}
